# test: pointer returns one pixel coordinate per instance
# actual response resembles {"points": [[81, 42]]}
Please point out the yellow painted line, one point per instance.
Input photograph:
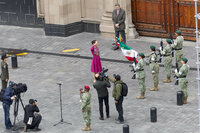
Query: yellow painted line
{"points": [[20, 54], [70, 50]]}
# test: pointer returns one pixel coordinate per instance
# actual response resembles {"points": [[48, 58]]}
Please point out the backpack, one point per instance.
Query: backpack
{"points": [[1, 95], [124, 89]]}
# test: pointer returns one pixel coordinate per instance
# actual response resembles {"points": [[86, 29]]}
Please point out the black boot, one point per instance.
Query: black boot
{"points": [[37, 129], [116, 48]]}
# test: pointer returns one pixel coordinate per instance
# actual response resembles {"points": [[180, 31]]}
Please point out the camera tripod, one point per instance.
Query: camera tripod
{"points": [[16, 107], [61, 120]]}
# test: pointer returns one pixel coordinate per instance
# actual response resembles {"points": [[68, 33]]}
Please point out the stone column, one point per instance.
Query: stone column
{"points": [[107, 27], [40, 8], [130, 27]]}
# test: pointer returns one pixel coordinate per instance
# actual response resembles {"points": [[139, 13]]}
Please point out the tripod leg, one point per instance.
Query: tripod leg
{"points": [[22, 103], [16, 107], [61, 104]]}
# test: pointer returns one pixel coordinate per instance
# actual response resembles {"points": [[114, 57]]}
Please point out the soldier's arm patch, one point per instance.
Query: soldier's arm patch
{"points": [[175, 42], [138, 67], [180, 72], [153, 58]]}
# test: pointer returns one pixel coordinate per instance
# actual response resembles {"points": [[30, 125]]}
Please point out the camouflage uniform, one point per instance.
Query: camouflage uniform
{"points": [[154, 66], [167, 62], [4, 74], [85, 106], [178, 45], [183, 81], [140, 75]]}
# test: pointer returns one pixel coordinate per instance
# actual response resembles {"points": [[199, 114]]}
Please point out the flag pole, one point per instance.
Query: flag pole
{"points": [[197, 50]]}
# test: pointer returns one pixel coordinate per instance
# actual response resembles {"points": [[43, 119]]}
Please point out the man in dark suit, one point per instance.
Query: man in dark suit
{"points": [[119, 17]]}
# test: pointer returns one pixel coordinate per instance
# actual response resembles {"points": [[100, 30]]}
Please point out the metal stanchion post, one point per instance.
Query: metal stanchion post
{"points": [[153, 113], [179, 98], [125, 128], [197, 16], [14, 61]]}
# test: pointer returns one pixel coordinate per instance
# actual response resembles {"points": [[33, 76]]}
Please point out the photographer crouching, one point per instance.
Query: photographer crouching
{"points": [[32, 118], [101, 85], [7, 101]]}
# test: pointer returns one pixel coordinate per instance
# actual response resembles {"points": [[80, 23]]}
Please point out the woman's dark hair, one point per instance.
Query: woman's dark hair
{"points": [[94, 41]]}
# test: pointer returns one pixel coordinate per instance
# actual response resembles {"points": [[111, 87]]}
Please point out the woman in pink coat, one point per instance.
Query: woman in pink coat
{"points": [[96, 62]]}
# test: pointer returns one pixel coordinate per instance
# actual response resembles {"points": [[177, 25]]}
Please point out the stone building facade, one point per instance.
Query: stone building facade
{"points": [[68, 17], [158, 18]]}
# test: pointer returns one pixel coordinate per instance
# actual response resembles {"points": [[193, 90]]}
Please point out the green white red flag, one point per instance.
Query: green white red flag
{"points": [[128, 52]]}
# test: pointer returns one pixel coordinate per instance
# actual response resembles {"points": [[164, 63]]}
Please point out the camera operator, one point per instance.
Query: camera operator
{"points": [[102, 91], [118, 97], [32, 118], [7, 101]]}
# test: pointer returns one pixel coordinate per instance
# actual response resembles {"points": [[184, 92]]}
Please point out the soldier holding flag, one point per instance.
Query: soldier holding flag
{"points": [[140, 74]]}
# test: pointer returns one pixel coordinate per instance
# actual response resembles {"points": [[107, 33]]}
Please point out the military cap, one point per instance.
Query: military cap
{"points": [[178, 31], [185, 60], [152, 47], [142, 55], [4, 56], [87, 88], [169, 41]]}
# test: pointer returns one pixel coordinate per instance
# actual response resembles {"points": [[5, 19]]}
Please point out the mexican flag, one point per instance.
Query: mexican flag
{"points": [[128, 52]]}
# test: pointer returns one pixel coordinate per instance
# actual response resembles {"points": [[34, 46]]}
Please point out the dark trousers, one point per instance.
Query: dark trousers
{"points": [[4, 84], [106, 101], [35, 123], [6, 109], [120, 108], [122, 33]]}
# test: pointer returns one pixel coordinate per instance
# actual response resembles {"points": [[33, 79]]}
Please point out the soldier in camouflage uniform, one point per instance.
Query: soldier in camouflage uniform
{"points": [[140, 74], [4, 72], [154, 66], [167, 60], [183, 81], [86, 108], [178, 45]]}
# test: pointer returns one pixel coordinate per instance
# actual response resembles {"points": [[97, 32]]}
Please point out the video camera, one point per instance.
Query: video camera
{"points": [[102, 74], [18, 88]]}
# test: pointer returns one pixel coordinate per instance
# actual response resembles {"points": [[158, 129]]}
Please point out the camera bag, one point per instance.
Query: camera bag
{"points": [[1, 95], [124, 89]]}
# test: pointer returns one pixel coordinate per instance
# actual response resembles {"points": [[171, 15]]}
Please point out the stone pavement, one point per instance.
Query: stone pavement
{"points": [[35, 39], [42, 72]]}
